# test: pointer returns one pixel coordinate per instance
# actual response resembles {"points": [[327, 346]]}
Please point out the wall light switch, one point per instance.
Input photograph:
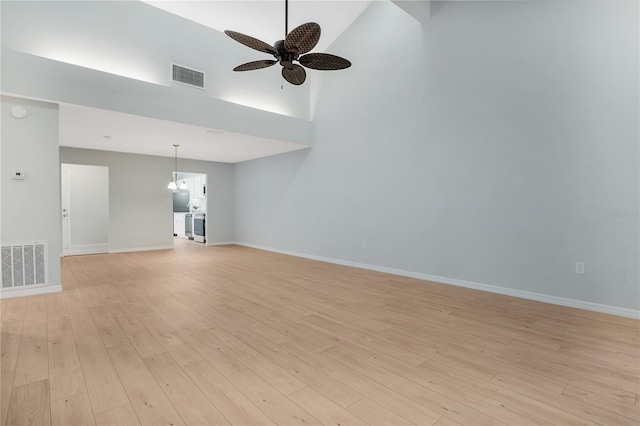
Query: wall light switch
{"points": [[580, 268], [18, 175]]}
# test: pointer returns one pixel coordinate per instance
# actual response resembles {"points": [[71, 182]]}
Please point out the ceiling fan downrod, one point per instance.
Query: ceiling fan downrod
{"points": [[286, 18]]}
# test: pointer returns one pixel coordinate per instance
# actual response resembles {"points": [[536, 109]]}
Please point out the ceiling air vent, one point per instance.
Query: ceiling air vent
{"points": [[187, 76]]}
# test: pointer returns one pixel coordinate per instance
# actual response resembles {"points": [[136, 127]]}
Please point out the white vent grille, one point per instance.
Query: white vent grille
{"points": [[23, 264], [187, 76]]}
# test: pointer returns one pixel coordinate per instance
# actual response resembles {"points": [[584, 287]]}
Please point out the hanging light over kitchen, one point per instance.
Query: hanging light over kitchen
{"points": [[173, 185]]}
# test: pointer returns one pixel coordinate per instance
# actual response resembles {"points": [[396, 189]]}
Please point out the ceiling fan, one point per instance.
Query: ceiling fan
{"points": [[297, 42]]}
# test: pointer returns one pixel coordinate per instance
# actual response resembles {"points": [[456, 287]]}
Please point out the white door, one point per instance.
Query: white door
{"points": [[64, 186]]}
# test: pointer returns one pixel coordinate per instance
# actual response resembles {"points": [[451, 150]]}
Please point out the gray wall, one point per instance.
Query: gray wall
{"points": [[486, 146], [140, 205], [88, 204], [31, 208]]}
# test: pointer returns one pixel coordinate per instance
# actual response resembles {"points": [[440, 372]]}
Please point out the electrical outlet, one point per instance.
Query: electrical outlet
{"points": [[580, 268], [271, 234], [364, 243]]}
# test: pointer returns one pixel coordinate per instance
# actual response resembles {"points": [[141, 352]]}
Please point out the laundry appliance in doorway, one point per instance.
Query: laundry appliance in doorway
{"points": [[199, 227]]}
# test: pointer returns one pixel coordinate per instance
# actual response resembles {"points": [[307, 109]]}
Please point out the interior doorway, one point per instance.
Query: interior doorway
{"points": [[190, 207], [85, 209]]}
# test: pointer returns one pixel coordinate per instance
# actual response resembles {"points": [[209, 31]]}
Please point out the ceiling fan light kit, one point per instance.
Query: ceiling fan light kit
{"points": [[297, 42]]}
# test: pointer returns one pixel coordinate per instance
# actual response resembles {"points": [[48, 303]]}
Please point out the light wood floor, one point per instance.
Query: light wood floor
{"points": [[230, 335]]}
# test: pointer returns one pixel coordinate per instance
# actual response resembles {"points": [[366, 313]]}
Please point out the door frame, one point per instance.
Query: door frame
{"points": [[65, 199], [206, 197]]}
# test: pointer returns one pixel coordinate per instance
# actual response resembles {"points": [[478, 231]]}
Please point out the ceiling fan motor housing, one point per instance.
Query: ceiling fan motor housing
{"points": [[285, 56]]}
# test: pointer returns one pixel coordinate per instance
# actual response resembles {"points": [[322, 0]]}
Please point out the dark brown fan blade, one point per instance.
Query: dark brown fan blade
{"points": [[255, 65], [251, 42], [324, 61], [303, 38], [296, 75]]}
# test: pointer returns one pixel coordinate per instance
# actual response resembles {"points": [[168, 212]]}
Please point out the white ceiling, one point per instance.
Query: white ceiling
{"points": [[84, 127], [264, 19]]}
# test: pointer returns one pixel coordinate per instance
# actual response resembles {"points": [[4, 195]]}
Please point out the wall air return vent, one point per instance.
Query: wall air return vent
{"points": [[187, 76], [23, 265]]}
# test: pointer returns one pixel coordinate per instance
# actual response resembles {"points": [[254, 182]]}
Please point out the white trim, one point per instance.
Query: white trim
{"points": [[221, 243], [85, 249], [132, 249], [78, 246], [555, 300], [31, 291], [65, 189]]}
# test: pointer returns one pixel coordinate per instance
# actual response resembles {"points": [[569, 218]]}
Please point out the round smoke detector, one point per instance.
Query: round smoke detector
{"points": [[18, 111]]}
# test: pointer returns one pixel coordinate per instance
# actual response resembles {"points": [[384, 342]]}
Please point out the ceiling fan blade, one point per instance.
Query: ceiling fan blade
{"points": [[255, 65], [296, 75], [324, 61], [303, 38], [251, 42]]}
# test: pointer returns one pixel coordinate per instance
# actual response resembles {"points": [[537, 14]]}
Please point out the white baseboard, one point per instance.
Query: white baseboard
{"points": [[132, 249], [6, 294], [103, 245], [84, 249], [220, 243], [555, 300]]}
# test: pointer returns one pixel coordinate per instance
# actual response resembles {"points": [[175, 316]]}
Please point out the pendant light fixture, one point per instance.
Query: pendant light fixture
{"points": [[173, 185]]}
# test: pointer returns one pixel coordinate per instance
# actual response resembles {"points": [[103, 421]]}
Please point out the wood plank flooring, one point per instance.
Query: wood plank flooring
{"points": [[231, 335]]}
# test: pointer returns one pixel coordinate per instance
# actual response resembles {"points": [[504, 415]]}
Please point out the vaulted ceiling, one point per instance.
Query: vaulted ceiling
{"points": [[264, 19], [91, 125]]}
